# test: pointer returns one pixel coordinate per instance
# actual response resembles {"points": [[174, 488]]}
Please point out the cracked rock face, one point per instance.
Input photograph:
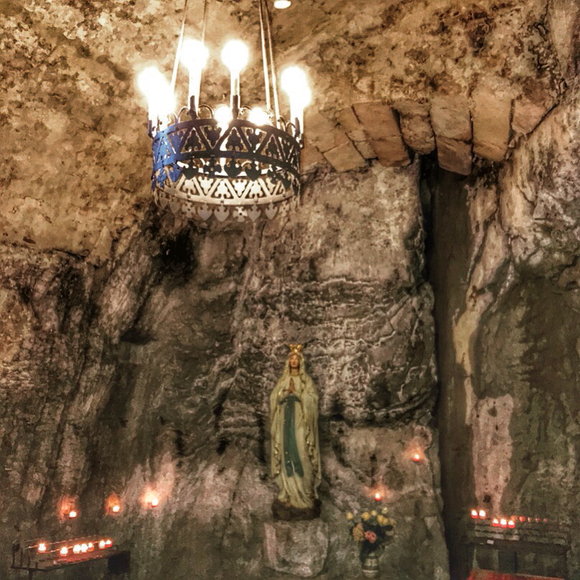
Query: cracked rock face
{"points": [[153, 372], [510, 358], [138, 352]]}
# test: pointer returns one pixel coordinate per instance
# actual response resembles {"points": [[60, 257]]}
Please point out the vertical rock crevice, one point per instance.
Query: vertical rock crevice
{"points": [[504, 246]]}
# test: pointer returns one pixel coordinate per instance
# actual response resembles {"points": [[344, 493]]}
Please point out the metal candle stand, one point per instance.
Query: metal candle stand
{"points": [[26, 555], [530, 546]]}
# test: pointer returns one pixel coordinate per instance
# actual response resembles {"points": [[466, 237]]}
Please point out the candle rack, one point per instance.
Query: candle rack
{"points": [[517, 544], [42, 555]]}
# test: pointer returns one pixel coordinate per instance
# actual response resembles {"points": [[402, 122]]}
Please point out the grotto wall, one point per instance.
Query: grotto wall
{"points": [[153, 371], [505, 274]]}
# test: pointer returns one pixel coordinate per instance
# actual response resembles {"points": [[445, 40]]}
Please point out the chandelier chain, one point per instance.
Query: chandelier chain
{"points": [[272, 62], [179, 44], [264, 56]]}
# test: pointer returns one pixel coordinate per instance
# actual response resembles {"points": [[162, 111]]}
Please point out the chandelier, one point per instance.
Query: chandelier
{"points": [[227, 161]]}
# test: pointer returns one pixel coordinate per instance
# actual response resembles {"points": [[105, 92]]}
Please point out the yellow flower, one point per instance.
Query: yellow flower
{"points": [[374, 513], [365, 515], [382, 520], [349, 516], [358, 533], [385, 510]]}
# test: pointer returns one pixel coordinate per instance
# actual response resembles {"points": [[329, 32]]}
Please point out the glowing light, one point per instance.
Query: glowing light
{"points": [[282, 4], [235, 56], [416, 457], [108, 543], [511, 524], [378, 496], [503, 522], [522, 518], [41, 547], [295, 85], [84, 548], [91, 546], [102, 544], [474, 514], [77, 549], [495, 522], [259, 117], [63, 551], [482, 514], [157, 91], [72, 514], [154, 501], [223, 116], [194, 56], [116, 508]]}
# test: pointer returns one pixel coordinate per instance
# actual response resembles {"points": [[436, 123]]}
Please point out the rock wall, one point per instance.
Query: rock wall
{"points": [[153, 372], [505, 274]]}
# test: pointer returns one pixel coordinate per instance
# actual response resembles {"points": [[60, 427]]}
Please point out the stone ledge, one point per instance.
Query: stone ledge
{"points": [[297, 548]]}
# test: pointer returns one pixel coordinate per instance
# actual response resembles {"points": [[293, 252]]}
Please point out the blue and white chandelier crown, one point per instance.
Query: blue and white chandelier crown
{"points": [[230, 161]]}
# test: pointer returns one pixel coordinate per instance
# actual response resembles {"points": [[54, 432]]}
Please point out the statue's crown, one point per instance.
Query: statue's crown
{"points": [[295, 348]]}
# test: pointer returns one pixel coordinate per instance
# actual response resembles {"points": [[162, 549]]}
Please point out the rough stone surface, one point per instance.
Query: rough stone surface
{"points": [[417, 133], [454, 155], [298, 548], [153, 372], [138, 352], [345, 157], [450, 117], [491, 123], [381, 126], [507, 279]]}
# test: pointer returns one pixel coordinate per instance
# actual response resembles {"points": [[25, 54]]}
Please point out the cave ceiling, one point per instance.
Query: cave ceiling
{"points": [[391, 80]]}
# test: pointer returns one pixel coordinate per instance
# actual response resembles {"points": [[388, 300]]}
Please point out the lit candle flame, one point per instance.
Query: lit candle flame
{"points": [[42, 547]]}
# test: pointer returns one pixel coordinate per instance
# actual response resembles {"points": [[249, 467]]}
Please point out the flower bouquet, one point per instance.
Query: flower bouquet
{"points": [[372, 531]]}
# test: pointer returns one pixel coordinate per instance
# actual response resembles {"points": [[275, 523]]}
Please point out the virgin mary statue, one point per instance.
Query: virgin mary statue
{"points": [[295, 455]]}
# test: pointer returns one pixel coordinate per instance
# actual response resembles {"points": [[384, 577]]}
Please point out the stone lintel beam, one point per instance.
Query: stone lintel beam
{"points": [[381, 126], [417, 133], [345, 157], [491, 123], [356, 133], [450, 117], [529, 111], [454, 155], [310, 158], [333, 143]]}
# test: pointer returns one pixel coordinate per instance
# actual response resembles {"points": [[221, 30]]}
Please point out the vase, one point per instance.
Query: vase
{"points": [[370, 566]]}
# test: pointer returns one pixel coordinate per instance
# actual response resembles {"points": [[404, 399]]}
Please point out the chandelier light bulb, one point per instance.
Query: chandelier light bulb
{"points": [[194, 57], [235, 56], [282, 4], [194, 54], [259, 117], [223, 116], [295, 85], [160, 98]]}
